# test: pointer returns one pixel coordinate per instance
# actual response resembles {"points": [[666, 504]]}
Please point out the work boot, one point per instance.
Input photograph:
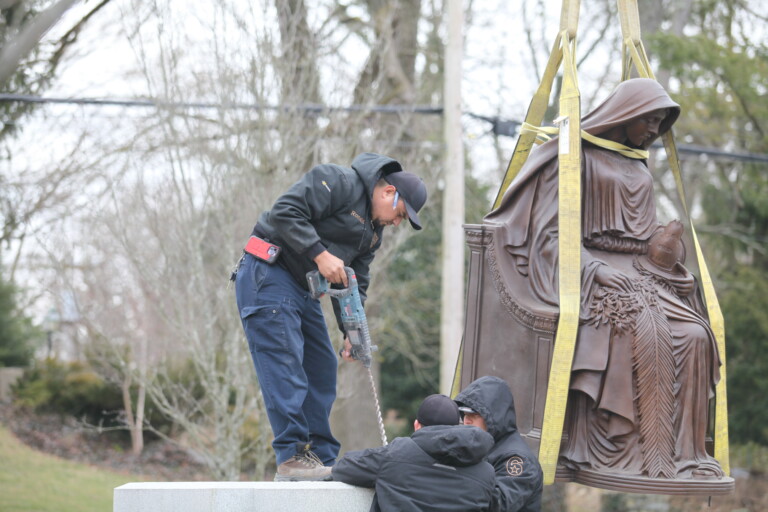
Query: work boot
{"points": [[303, 467]]}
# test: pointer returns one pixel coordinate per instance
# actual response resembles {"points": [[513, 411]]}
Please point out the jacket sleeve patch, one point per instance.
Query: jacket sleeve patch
{"points": [[515, 466]]}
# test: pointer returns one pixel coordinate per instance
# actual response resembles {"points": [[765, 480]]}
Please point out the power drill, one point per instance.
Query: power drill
{"points": [[352, 314]]}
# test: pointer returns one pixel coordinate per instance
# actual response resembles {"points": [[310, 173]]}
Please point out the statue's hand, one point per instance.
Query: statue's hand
{"points": [[684, 284], [612, 278]]}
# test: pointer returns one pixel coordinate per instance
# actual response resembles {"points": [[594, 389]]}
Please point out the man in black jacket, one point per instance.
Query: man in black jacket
{"points": [[439, 468], [332, 217], [487, 403]]}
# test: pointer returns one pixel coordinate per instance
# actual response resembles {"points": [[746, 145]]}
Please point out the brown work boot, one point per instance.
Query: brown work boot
{"points": [[302, 467]]}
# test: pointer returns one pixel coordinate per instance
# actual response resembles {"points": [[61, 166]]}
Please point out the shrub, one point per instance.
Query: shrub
{"points": [[75, 389], [17, 334], [69, 388]]}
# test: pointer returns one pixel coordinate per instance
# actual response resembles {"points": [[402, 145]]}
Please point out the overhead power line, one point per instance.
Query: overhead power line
{"points": [[310, 108], [499, 126], [717, 153]]}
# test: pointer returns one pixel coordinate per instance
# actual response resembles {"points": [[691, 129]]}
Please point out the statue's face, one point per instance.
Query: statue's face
{"points": [[641, 132]]}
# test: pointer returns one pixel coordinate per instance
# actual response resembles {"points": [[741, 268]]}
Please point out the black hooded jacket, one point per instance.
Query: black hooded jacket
{"points": [[519, 480], [329, 208], [439, 468]]}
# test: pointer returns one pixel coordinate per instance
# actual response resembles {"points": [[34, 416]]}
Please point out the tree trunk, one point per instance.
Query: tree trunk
{"points": [[29, 37], [134, 422], [389, 71], [300, 79]]}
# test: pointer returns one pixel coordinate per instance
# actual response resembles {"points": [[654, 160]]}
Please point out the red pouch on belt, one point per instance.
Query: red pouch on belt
{"points": [[262, 249]]}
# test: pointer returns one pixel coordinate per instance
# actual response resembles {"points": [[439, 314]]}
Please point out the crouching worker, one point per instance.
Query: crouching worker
{"points": [[487, 403], [439, 468]]}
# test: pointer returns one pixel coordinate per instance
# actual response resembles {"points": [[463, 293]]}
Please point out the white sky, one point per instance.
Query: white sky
{"points": [[497, 79]]}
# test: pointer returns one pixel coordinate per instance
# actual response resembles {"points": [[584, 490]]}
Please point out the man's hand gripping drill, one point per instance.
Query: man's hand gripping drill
{"points": [[352, 313]]}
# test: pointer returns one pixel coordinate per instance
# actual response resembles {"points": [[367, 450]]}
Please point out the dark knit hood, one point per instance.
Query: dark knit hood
{"points": [[492, 399]]}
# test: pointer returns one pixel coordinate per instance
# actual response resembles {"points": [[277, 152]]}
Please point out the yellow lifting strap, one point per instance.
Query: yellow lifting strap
{"points": [[569, 218], [633, 52], [545, 131], [569, 249]]}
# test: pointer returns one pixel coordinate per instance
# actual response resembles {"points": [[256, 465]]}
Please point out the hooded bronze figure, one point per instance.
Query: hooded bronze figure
{"points": [[646, 362]]}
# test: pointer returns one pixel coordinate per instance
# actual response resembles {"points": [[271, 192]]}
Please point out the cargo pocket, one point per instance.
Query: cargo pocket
{"points": [[265, 328], [260, 271]]}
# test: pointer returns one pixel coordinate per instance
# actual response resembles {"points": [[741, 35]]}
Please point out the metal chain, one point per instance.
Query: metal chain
{"points": [[378, 409]]}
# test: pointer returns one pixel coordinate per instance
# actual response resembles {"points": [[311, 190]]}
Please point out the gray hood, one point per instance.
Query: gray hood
{"points": [[492, 399]]}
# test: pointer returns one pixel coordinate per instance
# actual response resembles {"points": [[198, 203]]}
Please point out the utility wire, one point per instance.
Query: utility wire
{"points": [[499, 127], [310, 108]]}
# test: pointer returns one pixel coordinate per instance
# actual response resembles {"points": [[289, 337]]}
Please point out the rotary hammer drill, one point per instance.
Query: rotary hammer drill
{"points": [[352, 314]]}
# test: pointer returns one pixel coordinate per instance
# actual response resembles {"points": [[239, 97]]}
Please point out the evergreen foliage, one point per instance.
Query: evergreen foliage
{"points": [[66, 388], [75, 389], [738, 237], [17, 334]]}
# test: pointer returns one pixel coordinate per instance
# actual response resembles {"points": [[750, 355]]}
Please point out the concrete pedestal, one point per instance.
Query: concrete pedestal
{"points": [[241, 497]]}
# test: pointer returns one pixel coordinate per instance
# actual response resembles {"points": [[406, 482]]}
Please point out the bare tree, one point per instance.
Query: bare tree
{"points": [[21, 37], [184, 188], [29, 61]]}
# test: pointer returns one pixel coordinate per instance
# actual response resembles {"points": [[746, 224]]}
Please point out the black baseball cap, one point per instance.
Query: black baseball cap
{"points": [[438, 410], [412, 190]]}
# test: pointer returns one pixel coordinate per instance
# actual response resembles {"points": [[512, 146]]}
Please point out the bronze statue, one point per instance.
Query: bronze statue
{"points": [[646, 363]]}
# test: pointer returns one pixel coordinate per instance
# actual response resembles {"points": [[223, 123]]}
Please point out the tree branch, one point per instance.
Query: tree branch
{"points": [[18, 48]]}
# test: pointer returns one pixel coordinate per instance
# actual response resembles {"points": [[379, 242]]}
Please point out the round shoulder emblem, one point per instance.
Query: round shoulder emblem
{"points": [[515, 466]]}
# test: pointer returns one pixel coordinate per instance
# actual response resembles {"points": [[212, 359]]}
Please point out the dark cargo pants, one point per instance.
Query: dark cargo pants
{"points": [[293, 355]]}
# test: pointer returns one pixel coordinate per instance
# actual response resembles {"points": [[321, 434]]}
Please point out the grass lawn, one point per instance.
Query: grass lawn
{"points": [[31, 481]]}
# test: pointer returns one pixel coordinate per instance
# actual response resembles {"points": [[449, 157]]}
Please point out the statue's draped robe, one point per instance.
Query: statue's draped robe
{"points": [[618, 218]]}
